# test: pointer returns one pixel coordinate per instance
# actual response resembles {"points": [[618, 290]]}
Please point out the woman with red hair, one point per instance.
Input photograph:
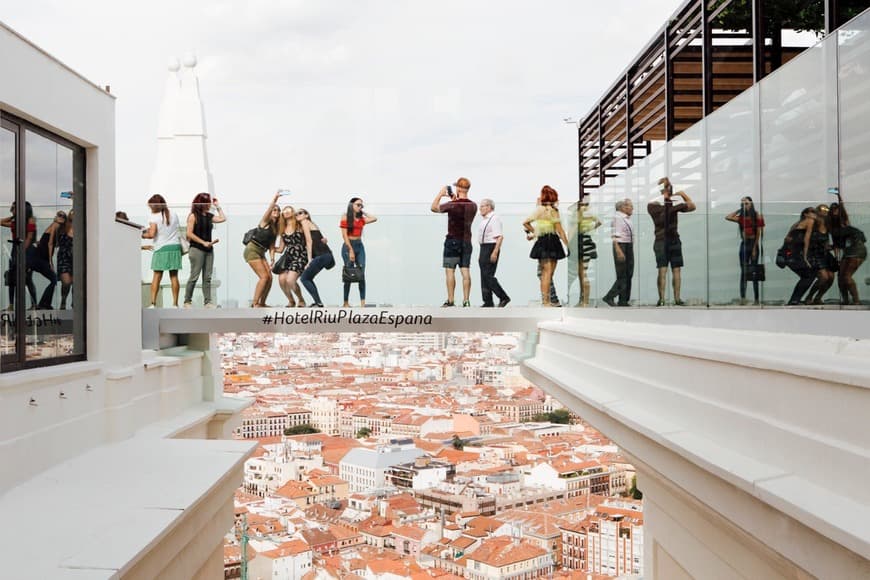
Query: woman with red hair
{"points": [[546, 226]]}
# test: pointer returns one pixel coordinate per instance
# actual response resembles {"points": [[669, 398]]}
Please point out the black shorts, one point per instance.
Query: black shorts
{"points": [[457, 253], [668, 253]]}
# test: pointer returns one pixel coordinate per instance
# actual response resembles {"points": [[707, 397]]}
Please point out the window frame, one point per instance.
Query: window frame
{"points": [[18, 361]]}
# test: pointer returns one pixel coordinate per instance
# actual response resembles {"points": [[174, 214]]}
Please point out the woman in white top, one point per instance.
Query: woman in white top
{"points": [[163, 229]]}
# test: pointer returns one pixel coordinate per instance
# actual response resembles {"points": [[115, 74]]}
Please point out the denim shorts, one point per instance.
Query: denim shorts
{"points": [[668, 253], [457, 253]]}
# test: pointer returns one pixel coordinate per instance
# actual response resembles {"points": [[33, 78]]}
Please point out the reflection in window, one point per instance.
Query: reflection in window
{"points": [[41, 195]]}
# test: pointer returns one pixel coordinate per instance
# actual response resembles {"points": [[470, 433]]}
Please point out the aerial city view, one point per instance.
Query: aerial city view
{"points": [[363, 290], [413, 454]]}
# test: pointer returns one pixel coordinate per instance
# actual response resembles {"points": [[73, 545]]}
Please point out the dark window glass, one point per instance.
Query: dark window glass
{"points": [[42, 191]]}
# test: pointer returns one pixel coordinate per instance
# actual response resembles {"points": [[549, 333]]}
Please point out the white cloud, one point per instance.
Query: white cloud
{"points": [[388, 98]]}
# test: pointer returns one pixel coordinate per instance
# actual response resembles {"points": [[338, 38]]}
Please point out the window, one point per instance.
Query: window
{"points": [[42, 243]]}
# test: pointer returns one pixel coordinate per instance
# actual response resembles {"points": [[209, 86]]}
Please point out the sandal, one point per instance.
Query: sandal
{"points": [[291, 304]]}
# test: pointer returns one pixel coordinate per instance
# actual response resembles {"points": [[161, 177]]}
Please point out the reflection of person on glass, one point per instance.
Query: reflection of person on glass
{"points": [[821, 258], [797, 244], [353, 251], [24, 245], [64, 238], [546, 226], [623, 238], [751, 227], [41, 259], [163, 229], [319, 255], [580, 229], [667, 246], [850, 246], [200, 222]]}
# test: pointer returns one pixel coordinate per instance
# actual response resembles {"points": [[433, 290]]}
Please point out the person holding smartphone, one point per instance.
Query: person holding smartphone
{"points": [[205, 211], [667, 247], [457, 245]]}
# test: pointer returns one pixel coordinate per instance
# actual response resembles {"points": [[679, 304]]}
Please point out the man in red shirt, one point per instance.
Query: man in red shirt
{"points": [[457, 245]]}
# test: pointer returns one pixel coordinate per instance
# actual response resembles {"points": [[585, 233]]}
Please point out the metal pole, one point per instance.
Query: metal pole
{"points": [[706, 61], [758, 34], [669, 87], [832, 15]]}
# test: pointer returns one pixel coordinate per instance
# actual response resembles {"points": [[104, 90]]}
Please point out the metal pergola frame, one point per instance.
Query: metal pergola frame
{"points": [[677, 79]]}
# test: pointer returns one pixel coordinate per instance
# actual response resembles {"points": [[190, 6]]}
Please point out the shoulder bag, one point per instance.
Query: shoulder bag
{"points": [[352, 274]]}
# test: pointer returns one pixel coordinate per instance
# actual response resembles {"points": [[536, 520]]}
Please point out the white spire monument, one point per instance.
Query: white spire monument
{"points": [[181, 169]]}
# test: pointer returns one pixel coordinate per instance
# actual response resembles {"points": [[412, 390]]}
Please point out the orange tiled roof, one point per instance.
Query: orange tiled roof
{"points": [[502, 551]]}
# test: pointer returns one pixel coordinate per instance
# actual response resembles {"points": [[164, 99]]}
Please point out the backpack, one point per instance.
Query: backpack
{"points": [[249, 236]]}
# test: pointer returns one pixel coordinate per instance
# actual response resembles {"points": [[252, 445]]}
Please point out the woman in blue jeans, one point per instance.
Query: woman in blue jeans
{"points": [[353, 251], [319, 255]]}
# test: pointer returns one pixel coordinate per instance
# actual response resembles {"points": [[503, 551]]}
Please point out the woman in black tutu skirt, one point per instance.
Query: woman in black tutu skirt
{"points": [[546, 226]]}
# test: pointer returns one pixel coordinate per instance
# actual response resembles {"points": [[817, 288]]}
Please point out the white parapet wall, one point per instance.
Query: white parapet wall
{"points": [[748, 430], [112, 466]]}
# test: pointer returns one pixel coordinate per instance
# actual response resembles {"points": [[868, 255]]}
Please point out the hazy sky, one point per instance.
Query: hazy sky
{"points": [[388, 99]]}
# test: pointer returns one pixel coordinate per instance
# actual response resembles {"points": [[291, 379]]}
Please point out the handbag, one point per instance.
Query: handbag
{"points": [[352, 274], [185, 245], [280, 264], [755, 272], [249, 236]]}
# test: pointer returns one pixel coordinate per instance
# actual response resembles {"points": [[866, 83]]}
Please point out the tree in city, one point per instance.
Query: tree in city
{"points": [[458, 443], [634, 492], [300, 430], [560, 416], [363, 433]]}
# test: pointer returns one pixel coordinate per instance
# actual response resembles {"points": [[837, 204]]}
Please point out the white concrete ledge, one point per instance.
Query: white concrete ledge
{"points": [[780, 417], [27, 378], [99, 514]]}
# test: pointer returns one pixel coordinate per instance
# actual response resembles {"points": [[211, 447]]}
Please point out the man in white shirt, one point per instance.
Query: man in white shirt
{"points": [[489, 237], [623, 253]]}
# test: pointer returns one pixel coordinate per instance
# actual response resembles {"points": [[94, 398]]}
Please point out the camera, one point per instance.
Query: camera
{"points": [[450, 192]]}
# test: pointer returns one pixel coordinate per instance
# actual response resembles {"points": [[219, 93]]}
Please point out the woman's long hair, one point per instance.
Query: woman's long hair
{"points": [[158, 204], [351, 214], [282, 221], [747, 213], [311, 221], [201, 204], [838, 216]]}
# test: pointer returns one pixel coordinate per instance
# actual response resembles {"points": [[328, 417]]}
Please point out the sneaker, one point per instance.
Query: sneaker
{"points": [[487, 305], [609, 301], [503, 302], [466, 304], [151, 306], [210, 306], [447, 304], [188, 305]]}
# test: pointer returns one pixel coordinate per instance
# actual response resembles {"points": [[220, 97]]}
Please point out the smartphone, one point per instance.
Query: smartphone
{"points": [[283, 192], [450, 191], [66, 194], [831, 190]]}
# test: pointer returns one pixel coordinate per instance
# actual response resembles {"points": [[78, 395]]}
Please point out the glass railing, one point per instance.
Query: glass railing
{"points": [[403, 258], [784, 142]]}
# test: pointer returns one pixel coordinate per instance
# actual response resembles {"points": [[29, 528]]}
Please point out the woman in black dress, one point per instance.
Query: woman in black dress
{"points": [[293, 258], [850, 246], [546, 225], [64, 238]]}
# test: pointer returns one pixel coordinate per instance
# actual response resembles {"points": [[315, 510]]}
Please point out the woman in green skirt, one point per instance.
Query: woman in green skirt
{"points": [[163, 229]]}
